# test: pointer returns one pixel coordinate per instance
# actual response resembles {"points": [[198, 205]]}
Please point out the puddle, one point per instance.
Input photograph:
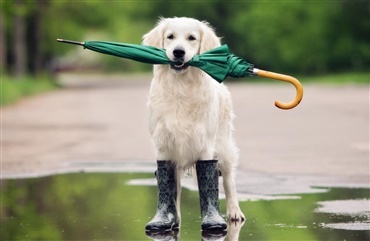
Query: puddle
{"points": [[107, 206]]}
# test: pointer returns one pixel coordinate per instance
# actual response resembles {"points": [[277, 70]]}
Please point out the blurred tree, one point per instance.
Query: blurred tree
{"points": [[349, 33], [22, 33], [294, 36], [19, 38], [36, 36], [2, 41], [304, 37]]}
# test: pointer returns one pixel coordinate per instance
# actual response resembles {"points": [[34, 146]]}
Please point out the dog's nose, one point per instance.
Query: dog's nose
{"points": [[178, 52]]}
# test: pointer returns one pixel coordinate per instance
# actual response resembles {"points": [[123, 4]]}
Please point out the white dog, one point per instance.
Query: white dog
{"points": [[191, 113]]}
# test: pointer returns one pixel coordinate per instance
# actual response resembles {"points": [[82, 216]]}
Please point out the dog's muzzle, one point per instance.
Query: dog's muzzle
{"points": [[179, 67], [179, 54]]}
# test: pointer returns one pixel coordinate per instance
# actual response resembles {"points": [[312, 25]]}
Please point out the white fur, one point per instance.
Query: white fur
{"points": [[191, 114]]}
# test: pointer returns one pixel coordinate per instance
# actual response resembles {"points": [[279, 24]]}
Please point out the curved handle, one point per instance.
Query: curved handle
{"points": [[286, 78]]}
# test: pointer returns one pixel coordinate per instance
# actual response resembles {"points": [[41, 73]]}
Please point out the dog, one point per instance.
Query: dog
{"points": [[190, 114]]}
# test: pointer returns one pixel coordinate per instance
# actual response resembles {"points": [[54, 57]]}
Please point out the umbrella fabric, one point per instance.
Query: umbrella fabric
{"points": [[141, 53], [218, 63]]}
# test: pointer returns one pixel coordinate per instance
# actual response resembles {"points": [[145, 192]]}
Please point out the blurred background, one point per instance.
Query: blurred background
{"points": [[298, 37], [315, 41]]}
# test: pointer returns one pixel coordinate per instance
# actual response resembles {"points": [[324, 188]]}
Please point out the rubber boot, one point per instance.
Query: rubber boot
{"points": [[207, 174], [166, 217]]}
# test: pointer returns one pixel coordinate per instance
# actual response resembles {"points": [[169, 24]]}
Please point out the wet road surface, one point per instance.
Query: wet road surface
{"points": [[104, 119], [99, 124]]}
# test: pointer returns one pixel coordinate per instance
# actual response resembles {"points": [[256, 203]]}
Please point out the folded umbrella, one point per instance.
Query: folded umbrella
{"points": [[219, 63]]}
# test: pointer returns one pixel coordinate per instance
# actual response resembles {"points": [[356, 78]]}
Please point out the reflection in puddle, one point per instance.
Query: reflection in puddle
{"points": [[104, 207]]}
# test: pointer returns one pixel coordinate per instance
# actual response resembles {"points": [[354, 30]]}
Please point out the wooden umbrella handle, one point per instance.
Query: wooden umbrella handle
{"points": [[286, 78]]}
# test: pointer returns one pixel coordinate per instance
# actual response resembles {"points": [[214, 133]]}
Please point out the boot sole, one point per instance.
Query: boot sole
{"points": [[163, 228], [218, 227]]}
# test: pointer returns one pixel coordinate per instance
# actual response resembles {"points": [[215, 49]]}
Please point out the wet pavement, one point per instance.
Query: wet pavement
{"points": [[104, 119], [77, 164]]}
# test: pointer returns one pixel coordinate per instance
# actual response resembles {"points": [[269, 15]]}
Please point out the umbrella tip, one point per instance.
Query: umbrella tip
{"points": [[70, 41]]}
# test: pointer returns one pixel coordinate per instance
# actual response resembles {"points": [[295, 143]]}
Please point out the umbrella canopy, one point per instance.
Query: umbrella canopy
{"points": [[219, 63], [141, 53]]}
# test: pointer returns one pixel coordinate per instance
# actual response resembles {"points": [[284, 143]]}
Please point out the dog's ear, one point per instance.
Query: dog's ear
{"points": [[155, 36], [209, 40]]}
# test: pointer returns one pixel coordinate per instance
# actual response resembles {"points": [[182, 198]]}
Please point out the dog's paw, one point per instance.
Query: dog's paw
{"points": [[234, 214]]}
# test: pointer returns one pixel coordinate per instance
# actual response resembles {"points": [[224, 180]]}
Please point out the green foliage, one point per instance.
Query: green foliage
{"points": [[304, 37], [299, 37], [339, 78], [13, 89]]}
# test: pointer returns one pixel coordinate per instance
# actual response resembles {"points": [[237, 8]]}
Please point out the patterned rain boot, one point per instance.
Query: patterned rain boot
{"points": [[166, 216], [207, 174]]}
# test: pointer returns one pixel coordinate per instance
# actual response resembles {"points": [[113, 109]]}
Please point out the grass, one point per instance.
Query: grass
{"points": [[13, 89], [339, 78]]}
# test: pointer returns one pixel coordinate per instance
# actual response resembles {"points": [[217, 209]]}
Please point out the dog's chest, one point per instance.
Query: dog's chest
{"points": [[180, 107], [182, 111]]}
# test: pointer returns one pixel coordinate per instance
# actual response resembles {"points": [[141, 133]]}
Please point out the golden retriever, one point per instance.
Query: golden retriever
{"points": [[190, 114]]}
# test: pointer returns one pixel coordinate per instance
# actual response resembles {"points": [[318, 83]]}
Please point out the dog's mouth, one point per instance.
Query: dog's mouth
{"points": [[179, 67]]}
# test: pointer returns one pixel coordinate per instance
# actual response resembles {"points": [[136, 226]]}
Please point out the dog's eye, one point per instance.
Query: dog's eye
{"points": [[191, 38], [170, 36]]}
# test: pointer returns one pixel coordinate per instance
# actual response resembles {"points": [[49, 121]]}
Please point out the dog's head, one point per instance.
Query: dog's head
{"points": [[182, 38]]}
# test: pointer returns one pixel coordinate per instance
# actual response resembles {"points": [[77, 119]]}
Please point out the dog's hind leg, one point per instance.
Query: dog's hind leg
{"points": [[228, 158], [179, 174], [233, 210]]}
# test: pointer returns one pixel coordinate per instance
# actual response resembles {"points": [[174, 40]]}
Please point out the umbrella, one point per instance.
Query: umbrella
{"points": [[219, 63]]}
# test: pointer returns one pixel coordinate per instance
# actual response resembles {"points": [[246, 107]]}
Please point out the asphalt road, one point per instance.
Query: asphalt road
{"points": [[103, 119]]}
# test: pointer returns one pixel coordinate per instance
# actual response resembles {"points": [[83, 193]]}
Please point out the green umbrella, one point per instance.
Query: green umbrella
{"points": [[219, 63]]}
